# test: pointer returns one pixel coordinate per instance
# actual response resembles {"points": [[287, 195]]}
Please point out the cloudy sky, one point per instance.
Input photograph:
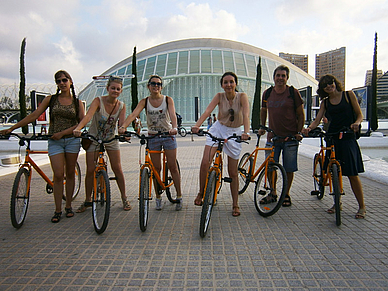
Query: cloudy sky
{"points": [[89, 36]]}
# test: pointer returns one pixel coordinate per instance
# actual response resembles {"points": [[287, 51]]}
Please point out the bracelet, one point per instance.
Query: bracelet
{"points": [[247, 133], [175, 128]]}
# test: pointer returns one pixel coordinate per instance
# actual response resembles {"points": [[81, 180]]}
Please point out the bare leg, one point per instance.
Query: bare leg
{"points": [[233, 173], [115, 163], [71, 160], [57, 165], [172, 165], [356, 185]]}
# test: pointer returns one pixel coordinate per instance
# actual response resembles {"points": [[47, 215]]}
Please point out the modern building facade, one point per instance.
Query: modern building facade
{"points": [[301, 61], [193, 67], [331, 62], [368, 76]]}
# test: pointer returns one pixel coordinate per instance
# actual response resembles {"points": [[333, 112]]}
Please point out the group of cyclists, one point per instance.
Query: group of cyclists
{"points": [[107, 113]]}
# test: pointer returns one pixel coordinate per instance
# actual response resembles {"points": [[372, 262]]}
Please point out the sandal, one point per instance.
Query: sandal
{"points": [[126, 205], [360, 213], [69, 212], [57, 217], [198, 200], [84, 206], [332, 209], [269, 199], [287, 201], [236, 211]]}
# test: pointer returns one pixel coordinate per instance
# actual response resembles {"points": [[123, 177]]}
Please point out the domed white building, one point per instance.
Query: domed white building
{"points": [[193, 67]]}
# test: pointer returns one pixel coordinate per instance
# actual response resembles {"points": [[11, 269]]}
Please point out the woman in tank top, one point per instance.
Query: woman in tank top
{"points": [[65, 113], [105, 112], [339, 111], [161, 117], [233, 112]]}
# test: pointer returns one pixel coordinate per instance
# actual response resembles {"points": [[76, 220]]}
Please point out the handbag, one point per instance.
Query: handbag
{"points": [[358, 133]]}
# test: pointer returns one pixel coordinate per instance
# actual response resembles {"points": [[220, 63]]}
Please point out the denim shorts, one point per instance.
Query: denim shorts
{"points": [[168, 143], [64, 145], [290, 154]]}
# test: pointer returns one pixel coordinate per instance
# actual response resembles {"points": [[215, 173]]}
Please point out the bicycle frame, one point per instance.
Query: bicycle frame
{"points": [[332, 160], [100, 165], [217, 167]]}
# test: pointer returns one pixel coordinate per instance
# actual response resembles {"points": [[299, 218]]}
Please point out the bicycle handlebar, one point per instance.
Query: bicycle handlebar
{"points": [[214, 138], [86, 135], [318, 132], [275, 136], [27, 138]]}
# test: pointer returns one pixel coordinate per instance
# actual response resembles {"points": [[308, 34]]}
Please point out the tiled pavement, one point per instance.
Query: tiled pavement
{"points": [[299, 248]]}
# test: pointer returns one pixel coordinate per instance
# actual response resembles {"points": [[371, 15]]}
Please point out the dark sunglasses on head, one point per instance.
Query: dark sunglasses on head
{"points": [[64, 80], [113, 78], [153, 84], [231, 112]]}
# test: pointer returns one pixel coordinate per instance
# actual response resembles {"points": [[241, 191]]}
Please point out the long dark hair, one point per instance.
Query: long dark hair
{"points": [[327, 79], [57, 75]]}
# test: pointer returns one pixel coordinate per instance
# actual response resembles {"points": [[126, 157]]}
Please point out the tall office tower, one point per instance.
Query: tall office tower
{"points": [[331, 62], [368, 76], [301, 61]]}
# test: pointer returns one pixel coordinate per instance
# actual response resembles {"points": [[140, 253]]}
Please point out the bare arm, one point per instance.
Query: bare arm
{"points": [[245, 111], [122, 115], [94, 106], [215, 101], [317, 120], [131, 117], [171, 111], [357, 111]]}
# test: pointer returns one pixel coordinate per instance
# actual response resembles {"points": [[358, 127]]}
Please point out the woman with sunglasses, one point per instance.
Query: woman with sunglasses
{"points": [[233, 112], [63, 148], [161, 117], [342, 109], [105, 112]]}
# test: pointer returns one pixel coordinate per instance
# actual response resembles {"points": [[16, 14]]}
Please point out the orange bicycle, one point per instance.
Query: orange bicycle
{"points": [[101, 196], [214, 181], [20, 195], [148, 175], [272, 178], [327, 169]]}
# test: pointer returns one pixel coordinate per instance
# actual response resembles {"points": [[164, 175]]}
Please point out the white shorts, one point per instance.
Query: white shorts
{"points": [[231, 148]]}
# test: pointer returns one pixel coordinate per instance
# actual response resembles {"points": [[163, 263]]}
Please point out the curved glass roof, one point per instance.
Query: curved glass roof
{"points": [[193, 67]]}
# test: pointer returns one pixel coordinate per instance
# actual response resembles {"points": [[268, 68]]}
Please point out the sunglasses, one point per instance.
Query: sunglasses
{"points": [[231, 112], [153, 84], [113, 79], [328, 83], [64, 80]]}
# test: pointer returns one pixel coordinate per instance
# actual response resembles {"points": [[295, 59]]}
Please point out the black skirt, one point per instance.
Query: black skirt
{"points": [[347, 151]]}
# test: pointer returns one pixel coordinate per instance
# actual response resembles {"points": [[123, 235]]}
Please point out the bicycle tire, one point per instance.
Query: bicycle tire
{"points": [[336, 193], [245, 172], [208, 203], [318, 174], [20, 198], [264, 188], [144, 198], [182, 131], [77, 184], [167, 180], [101, 202]]}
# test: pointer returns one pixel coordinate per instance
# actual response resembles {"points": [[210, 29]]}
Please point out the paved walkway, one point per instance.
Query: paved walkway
{"points": [[299, 248]]}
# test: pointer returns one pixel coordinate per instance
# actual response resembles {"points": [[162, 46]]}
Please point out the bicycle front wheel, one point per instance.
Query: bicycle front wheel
{"points": [[319, 188], [336, 193], [270, 189], [101, 202], [20, 197], [77, 184], [245, 171], [167, 180], [208, 203], [182, 131], [144, 198]]}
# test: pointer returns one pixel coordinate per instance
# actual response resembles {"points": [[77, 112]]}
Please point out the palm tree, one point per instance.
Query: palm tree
{"points": [[22, 89], [257, 99]]}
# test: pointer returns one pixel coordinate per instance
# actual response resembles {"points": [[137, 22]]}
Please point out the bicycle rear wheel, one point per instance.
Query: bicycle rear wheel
{"points": [[144, 198], [101, 202], [20, 198], [245, 171], [319, 188], [336, 193], [77, 185], [270, 191], [168, 180], [208, 203], [182, 131]]}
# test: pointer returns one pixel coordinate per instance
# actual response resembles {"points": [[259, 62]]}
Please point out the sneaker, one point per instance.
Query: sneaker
{"points": [[179, 204], [158, 203]]}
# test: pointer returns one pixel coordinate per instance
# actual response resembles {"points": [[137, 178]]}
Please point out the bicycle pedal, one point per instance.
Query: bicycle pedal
{"points": [[315, 192], [227, 179]]}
